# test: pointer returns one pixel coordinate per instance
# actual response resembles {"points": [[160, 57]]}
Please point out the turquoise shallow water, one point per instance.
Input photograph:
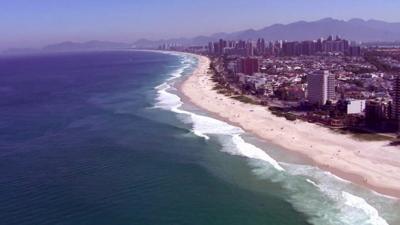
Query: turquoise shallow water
{"points": [[81, 143]]}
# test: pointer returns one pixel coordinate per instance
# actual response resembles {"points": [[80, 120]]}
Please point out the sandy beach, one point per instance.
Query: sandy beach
{"points": [[371, 164]]}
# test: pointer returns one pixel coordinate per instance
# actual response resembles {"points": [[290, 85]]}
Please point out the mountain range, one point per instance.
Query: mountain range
{"points": [[354, 30]]}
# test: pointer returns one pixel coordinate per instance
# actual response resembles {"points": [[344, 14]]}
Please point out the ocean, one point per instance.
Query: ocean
{"points": [[106, 138]]}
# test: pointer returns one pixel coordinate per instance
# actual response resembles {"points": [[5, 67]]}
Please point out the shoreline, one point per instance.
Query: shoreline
{"points": [[369, 164]]}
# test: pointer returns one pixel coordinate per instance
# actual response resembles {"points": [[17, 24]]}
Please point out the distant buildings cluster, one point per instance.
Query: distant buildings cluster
{"points": [[284, 48]]}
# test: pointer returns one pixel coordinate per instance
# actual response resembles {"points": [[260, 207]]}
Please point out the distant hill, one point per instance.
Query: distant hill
{"points": [[354, 29], [70, 46], [90, 45], [18, 51]]}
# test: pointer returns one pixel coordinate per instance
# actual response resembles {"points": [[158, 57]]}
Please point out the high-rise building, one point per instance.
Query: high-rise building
{"points": [[396, 99], [321, 87], [248, 66], [216, 48], [331, 86], [377, 111], [319, 45], [354, 51], [210, 48], [335, 45], [249, 49], [308, 47], [289, 48], [261, 46], [222, 45]]}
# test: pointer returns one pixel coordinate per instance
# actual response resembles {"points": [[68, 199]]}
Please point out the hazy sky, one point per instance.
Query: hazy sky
{"points": [[33, 23]]}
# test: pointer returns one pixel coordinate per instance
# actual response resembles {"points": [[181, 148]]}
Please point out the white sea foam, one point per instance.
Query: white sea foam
{"points": [[251, 151], [323, 199], [333, 199], [312, 182], [359, 203]]}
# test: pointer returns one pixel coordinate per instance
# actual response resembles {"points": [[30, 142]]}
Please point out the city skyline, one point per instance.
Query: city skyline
{"points": [[127, 21]]}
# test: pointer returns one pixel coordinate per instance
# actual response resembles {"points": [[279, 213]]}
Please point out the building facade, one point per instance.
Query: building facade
{"points": [[396, 100], [320, 87], [248, 65], [355, 107]]}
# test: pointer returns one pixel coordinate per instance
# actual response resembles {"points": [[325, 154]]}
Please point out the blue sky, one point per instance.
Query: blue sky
{"points": [[29, 23]]}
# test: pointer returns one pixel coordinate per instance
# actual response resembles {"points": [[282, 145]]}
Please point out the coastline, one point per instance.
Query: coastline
{"points": [[371, 164]]}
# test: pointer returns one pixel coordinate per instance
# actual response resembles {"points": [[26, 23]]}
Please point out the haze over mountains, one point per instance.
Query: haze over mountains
{"points": [[354, 29]]}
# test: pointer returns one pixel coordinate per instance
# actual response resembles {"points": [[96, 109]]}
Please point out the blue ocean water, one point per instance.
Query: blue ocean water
{"points": [[103, 138], [81, 144]]}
